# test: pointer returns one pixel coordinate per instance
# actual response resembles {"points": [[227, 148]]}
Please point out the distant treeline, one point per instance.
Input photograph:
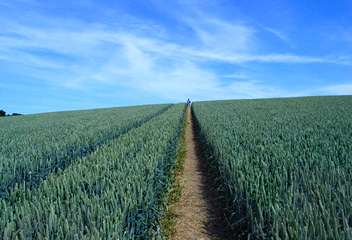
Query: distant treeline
{"points": [[3, 114]]}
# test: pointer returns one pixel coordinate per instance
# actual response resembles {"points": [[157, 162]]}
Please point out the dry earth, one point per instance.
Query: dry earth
{"points": [[199, 211]]}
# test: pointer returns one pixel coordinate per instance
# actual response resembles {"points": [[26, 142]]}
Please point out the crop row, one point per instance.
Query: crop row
{"points": [[113, 193], [284, 164], [33, 146]]}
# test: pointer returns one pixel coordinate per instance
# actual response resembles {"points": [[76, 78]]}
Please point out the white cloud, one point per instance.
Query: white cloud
{"points": [[276, 32], [270, 58], [223, 37], [236, 76], [186, 80], [338, 89], [279, 34], [249, 89]]}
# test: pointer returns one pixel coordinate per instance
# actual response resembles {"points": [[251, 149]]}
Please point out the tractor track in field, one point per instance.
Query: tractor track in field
{"points": [[199, 211]]}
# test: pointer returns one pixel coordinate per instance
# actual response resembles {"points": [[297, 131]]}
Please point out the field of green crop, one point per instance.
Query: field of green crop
{"points": [[33, 146], [285, 165], [114, 192]]}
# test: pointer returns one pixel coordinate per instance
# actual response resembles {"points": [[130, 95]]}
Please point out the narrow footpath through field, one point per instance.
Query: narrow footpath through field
{"points": [[199, 211]]}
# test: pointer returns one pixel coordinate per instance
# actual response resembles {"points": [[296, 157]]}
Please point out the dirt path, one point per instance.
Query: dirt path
{"points": [[199, 211]]}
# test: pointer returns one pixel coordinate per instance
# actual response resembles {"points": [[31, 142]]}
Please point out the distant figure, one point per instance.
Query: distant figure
{"points": [[189, 103]]}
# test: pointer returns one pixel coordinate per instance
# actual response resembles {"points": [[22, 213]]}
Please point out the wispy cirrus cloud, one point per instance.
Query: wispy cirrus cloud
{"points": [[277, 33], [236, 76], [148, 63], [223, 37]]}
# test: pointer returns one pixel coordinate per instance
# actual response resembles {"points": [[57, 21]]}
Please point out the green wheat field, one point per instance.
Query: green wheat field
{"points": [[284, 168]]}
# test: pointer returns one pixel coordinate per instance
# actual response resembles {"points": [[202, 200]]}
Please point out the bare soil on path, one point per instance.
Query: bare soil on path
{"points": [[199, 210]]}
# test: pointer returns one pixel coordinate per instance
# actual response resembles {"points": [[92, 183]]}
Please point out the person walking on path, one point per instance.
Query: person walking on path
{"points": [[189, 103]]}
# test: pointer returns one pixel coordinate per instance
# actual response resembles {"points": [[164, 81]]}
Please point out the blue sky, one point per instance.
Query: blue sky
{"points": [[67, 55]]}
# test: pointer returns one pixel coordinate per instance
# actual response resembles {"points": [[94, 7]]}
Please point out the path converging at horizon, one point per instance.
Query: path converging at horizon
{"points": [[199, 213]]}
